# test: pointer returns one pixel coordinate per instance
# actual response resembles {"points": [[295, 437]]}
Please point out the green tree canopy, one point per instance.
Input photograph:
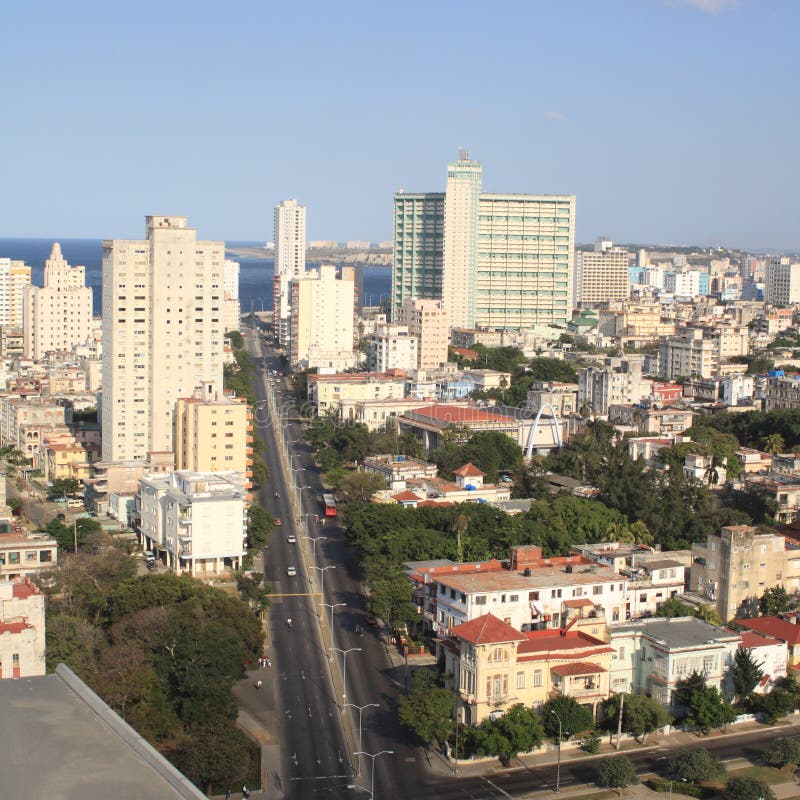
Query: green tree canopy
{"points": [[747, 788], [427, 709], [616, 772], [519, 730], [575, 718], [775, 600], [695, 764], [674, 608], [746, 672], [782, 752]]}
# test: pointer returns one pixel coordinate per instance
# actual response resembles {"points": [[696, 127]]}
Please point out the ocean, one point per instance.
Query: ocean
{"points": [[255, 275]]}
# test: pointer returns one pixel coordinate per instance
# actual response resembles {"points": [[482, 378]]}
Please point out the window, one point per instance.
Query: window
{"points": [[537, 677], [643, 598], [520, 680], [514, 598], [480, 600], [597, 590], [621, 654], [533, 596]]}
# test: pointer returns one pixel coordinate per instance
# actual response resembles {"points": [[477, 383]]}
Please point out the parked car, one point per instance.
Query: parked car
{"points": [[291, 572]]}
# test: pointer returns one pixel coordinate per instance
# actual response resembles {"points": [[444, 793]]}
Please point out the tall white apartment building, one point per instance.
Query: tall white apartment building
{"points": [[428, 321], [231, 312], [195, 521], [14, 277], [391, 347], [162, 333], [601, 274], [617, 381], [58, 315], [290, 261], [322, 321], [782, 286], [502, 261]]}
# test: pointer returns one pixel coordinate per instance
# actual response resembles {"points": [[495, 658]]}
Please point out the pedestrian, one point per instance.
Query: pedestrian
{"points": [[259, 684], [228, 795], [269, 663], [245, 792]]}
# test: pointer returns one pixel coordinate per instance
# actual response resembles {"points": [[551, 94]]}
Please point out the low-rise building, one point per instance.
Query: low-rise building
{"points": [[22, 630], [25, 554], [195, 521], [429, 422], [652, 656], [562, 397], [328, 392], [376, 414], [786, 630], [396, 470], [770, 653], [494, 666]]}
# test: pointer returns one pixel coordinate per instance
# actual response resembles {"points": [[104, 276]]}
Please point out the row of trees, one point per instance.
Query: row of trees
{"points": [[164, 652]]}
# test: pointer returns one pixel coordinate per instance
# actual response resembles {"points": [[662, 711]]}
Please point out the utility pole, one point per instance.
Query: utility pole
{"points": [[619, 721], [75, 534]]}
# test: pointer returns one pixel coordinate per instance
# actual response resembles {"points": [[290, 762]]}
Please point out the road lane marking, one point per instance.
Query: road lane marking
{"points": [[497, 788]]}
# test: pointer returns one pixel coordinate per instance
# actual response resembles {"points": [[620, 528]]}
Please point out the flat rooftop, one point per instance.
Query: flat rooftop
{"points": [[61, 741], [501, 580], [679, 632]]}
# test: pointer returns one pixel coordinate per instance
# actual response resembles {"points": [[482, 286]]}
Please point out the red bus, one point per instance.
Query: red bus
{"points": [[330, 505]]}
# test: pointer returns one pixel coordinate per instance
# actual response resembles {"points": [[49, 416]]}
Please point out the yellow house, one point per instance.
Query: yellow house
{"points": [[494, 666], [69, 459]]}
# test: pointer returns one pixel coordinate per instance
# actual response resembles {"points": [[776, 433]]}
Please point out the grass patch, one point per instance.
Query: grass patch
{"points": [[769, 775], [606, 794]]}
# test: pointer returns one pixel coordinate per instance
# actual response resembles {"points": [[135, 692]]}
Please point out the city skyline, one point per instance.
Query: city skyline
{"points": [[667, 119]]}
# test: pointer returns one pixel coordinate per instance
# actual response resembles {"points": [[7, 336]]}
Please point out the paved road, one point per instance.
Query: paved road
{"points": [[318, 740]]}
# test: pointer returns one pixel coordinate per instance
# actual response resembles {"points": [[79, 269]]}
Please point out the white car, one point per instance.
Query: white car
{"points": [[291, 539], [291, 572]]}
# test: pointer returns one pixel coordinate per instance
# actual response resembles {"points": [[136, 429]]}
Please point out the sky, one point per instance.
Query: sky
{"points": [[672, 121]]}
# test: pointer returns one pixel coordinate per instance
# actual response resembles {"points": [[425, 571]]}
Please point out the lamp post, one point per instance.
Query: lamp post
{"points": [[314, 539], [360, 709], [344, 667], [373, 756], [300, 498], [331, 606], [558, 763], [322, 578]]}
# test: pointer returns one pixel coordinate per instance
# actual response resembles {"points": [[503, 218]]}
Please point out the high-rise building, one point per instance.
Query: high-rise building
{"points": [[230, 295], [322, 322], [14, 277], [391, 347], [782, 281], [162, 333], [58, 315], [602, 274], [428, 321], [495, 260], [290, 261]]}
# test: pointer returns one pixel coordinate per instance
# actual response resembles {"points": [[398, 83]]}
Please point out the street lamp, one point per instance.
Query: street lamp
{"points": [[331, 607], [300, 497], [344, 668], [315, 539], [360, 709], [373, 756], [322, 578], [558, 763]]}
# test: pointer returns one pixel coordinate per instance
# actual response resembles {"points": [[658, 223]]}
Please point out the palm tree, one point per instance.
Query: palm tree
{"points": [[774, 444], [586, 408]]}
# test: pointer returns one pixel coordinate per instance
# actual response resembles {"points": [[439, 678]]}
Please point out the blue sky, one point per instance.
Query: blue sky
{"points": [[672, 121]]}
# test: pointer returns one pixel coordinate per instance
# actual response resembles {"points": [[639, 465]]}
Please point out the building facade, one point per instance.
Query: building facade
{"points": [[782, 286], [22, 630], [162, 333], [601, 274], [14, 277], [428, 321], [495, 260], [391, 347], [290, 261], [58, 315]]}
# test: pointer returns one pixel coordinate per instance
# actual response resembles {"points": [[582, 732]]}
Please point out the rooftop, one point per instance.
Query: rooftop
{"points": [[469, 470], [487, 629], [678, 633], [500, 580], [773, 626], [542, 644], [91, 753], [577, 669], [452, 415]]}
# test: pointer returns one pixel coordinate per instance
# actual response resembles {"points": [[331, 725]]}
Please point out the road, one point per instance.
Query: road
{"points": [[317, 747]]}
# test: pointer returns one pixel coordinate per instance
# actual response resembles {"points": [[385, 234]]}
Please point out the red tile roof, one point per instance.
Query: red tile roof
{"points": [[457, 414], [584, 602], [487, 629], [753, 639], [469, 470], [773, 626], [579, 668], [406, 496]]}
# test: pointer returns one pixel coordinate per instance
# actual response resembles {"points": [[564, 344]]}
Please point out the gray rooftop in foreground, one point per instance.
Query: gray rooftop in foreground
{"points": [[679, 632], [62, 742]]}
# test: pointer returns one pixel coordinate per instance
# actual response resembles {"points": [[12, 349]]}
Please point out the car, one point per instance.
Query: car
{"points": [[291, 539], [278, 522], [61, 516], [291, 572], [371, 620]]}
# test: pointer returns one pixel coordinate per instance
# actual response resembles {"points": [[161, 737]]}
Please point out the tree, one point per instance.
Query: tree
{"points": [[687, 688], [391, 598], [674, 608], [519, 730], [427, 709], [746, 672], [361, 484], [708, 614], [575, 718], [746, 788], [708, 709], [643, 715], [65, 486], [781, 700], [783, 752], [616, 772], [236, 339], [774, 444], [695, 764], [774, 601]]}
